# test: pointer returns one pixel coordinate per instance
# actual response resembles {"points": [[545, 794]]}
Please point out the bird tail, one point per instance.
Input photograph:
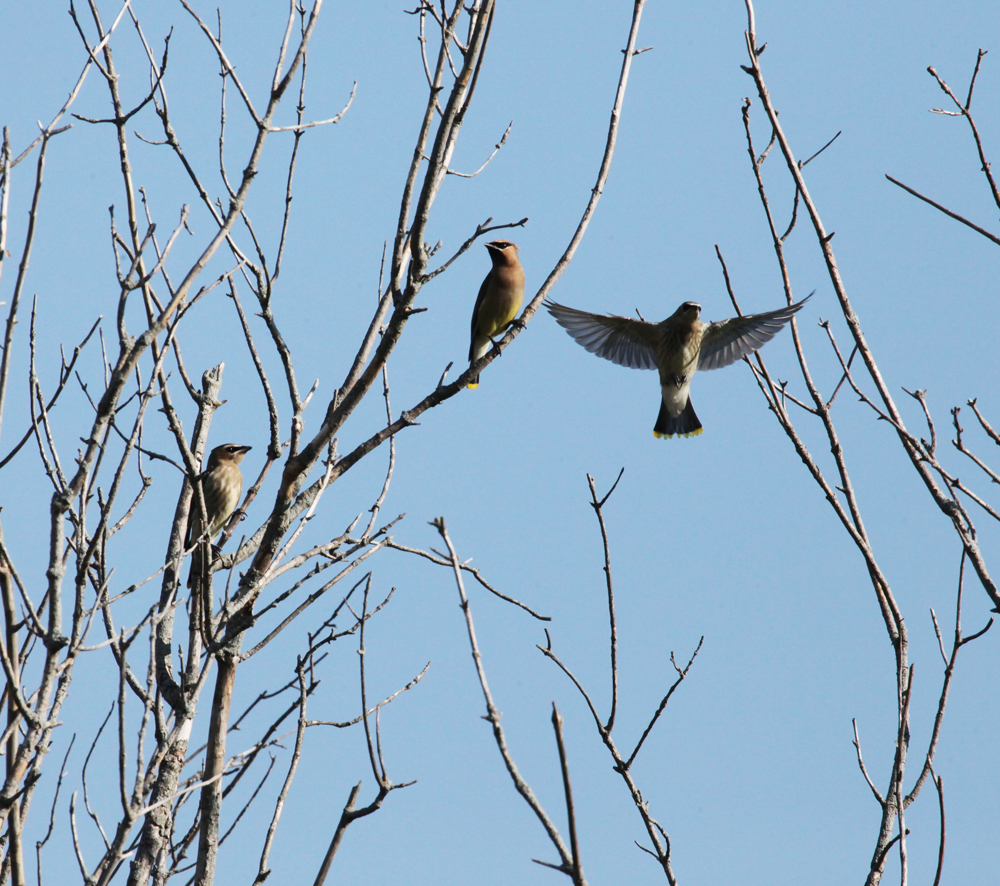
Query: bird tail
{"points": [[480, 345], [685, 424]]}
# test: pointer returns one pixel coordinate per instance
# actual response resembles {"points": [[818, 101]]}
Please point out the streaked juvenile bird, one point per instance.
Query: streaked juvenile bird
{"points": [[676, 347], [221, 484], [499, 300]]}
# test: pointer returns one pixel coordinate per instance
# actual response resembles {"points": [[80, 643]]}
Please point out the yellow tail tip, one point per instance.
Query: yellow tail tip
{"points": [[473, 385], [660, 436]]}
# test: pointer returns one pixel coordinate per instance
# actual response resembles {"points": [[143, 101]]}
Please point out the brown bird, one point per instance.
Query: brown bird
{"points": [[499, 300], [221, 484], [676, 347]]}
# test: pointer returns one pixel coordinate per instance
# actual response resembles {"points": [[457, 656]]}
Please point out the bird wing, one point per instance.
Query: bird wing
{"points": [[727, 341], [618, 339], [475, 314], [194, 515], [479, 300]]}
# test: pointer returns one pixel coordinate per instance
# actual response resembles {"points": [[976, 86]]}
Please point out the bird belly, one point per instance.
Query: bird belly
{"points": [[480, 345], [496, 314], [675, 397]]}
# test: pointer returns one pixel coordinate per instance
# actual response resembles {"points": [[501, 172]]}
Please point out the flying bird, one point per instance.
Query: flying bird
{"points": [[221, 484], [498, 302], [676, 347]]}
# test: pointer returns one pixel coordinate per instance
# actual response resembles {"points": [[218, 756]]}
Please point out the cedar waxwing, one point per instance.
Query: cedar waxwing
{"points": [[498, 302], [677, 347], [221, 484]]}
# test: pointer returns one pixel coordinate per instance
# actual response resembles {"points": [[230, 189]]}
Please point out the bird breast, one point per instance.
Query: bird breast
{"points": [[506, 291], [677, 354], [509, 276]]}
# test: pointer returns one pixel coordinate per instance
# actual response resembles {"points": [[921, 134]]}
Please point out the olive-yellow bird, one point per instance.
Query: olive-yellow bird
{"points": [[676, 347], [221, 484], [498, 302]]}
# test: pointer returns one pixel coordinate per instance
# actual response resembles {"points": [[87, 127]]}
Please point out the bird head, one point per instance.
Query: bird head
{"points": [[502, 251], [686, 314], [227, 452]]}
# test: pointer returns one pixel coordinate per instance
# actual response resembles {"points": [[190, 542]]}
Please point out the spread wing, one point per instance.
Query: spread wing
{"points": [[618, 339], [727, 341]]}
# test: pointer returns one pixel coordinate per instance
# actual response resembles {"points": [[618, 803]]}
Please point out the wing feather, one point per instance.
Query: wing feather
{"points": [[475, 315], [727, 341], [621, 340]]}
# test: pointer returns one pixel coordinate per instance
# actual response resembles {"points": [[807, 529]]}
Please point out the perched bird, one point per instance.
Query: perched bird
{"points": [[221, 484], [677, 347], [499, 300]]}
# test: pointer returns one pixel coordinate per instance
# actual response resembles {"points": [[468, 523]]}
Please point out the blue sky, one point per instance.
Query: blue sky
{"points": [[751, 770]]}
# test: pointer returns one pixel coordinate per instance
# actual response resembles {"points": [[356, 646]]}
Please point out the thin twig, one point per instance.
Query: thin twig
{"points": [[598, 510], [493, 715]]}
